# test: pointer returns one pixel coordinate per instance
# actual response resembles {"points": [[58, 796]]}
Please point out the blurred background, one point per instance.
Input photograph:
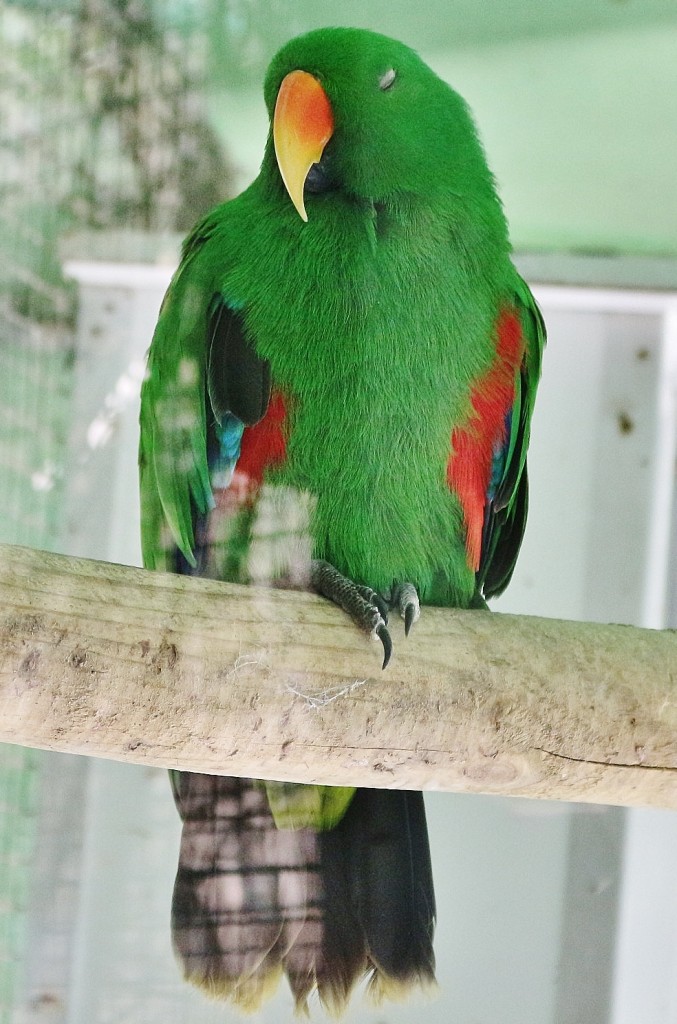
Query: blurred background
{"points": [[121, 121]]}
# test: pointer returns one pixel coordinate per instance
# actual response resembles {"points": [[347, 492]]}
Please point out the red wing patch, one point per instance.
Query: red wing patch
{"points": [[473, 444], [264, 444]]}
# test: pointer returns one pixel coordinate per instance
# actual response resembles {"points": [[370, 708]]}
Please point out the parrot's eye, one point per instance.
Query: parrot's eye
{"points": [[387, 79]]}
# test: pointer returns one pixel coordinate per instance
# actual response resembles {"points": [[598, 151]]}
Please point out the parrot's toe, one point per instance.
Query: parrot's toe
{"points": [[366, 608], [377, 601], [405, 599], [384, 636]]}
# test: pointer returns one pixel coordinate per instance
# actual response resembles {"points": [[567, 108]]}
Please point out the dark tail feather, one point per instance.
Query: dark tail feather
{"points": [[383, 841], [252, 901], [245, 894]]}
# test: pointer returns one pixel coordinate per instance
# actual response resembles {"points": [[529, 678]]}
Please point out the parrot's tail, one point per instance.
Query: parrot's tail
{"points": [[325, 908]]}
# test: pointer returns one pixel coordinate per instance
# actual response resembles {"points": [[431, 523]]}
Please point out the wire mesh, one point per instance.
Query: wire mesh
{"points": [[103, 128], [35, 341], [18, 792]]}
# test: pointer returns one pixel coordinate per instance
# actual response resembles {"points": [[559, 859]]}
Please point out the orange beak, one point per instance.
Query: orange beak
{"points": [[303, 124]]}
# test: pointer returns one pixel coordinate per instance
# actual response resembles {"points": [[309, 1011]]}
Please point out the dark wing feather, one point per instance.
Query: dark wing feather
{"points": [[238, 380]]}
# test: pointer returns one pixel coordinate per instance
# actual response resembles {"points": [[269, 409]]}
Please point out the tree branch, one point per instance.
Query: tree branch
{"points": [[157, 669]]}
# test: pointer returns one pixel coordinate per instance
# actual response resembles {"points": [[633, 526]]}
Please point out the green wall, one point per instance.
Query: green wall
{"points": [[582, 134]]}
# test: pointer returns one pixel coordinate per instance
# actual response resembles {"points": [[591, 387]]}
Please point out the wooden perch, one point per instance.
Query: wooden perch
{"points": [[156, 669]]}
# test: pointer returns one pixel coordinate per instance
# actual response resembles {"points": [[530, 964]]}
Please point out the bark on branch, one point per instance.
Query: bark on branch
{"points": [[117, 662]]}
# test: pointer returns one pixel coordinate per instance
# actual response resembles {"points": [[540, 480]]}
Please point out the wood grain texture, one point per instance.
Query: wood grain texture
{"points": [[157, 669]]}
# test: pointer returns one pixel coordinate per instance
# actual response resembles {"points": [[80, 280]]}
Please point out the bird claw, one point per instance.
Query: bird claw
{"points": [[380, 620], [405, 599], [367, 608], [384, 636], [375, 619], [375, 600]]}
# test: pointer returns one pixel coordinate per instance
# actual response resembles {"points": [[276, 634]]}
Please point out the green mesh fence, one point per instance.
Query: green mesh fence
{"points": [[18, 790], [102, 129], [36, 331]]}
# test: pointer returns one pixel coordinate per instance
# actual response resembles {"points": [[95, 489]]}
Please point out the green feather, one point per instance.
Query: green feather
{"points": [[319, 807], [174, 473]]}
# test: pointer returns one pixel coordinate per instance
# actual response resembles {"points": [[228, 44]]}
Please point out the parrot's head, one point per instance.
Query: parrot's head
{"points": [[359, 113]]}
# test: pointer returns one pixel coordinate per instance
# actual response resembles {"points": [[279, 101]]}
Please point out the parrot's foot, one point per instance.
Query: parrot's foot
{"points": [[405, 599], [366, 608]]}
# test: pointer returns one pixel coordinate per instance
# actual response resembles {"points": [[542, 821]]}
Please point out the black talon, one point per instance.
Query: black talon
{"points": [[375, 600], [384, 636], [381, 605], [405, 598]]}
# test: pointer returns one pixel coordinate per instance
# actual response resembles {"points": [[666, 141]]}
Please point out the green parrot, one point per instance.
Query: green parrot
{"points": [[338, 397]]}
